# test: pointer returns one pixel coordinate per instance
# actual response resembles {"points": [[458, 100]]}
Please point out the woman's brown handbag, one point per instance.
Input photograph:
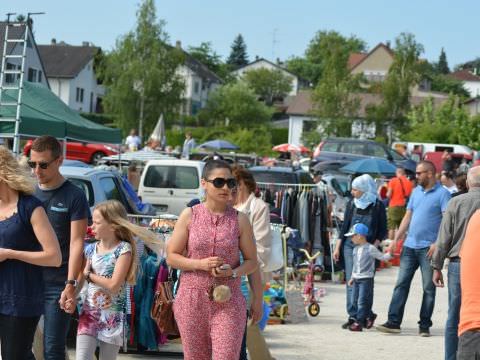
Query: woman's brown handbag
{"points": [[162, 309]]}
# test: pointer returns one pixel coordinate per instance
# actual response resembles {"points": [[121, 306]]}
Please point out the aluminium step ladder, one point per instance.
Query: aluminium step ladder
{"points": [[13, 48]]}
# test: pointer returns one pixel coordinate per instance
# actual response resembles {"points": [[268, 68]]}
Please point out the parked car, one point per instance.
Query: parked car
{"points": [[281, 175], [88, 153], [100, 185], [355, 149], [423, 148], [170, 184], [436, 158]]}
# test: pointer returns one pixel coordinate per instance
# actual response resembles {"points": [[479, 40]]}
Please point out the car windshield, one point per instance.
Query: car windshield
{"points": [[396, 155], [87, 188], [274, 177]]}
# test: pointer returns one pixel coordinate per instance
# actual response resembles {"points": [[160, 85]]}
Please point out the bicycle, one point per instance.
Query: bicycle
{"points": [[308, 288]]}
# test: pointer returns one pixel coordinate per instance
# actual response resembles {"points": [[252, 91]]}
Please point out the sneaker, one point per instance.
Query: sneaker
{"points": [[355, 327], [424, 332], [389, 328], [370, 321], [347, 324]]}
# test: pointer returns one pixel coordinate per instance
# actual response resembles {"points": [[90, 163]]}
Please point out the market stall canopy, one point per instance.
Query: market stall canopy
{"points": [[291, 148], [43, 113]]}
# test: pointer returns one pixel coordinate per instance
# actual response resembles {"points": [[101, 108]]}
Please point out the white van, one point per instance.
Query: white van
{"points": [[419, 147], [169, 184]]}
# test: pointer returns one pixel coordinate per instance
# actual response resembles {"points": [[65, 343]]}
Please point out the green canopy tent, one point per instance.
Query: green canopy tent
{"points": [[43, 113]]}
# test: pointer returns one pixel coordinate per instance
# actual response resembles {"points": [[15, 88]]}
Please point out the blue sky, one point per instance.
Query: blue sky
{"points": [[451, 24]]}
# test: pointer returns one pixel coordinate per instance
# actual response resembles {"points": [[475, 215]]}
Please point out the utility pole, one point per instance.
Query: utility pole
{"points": [[274, 43]]}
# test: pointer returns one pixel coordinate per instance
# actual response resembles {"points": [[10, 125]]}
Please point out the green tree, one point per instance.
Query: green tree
{"points": [[303, 68], [142, 59], [403, 74], [206, 55], [269, 85], [238, 54], [234, 104], [312, 66], [442, 66], [449, 123], [335, 103], [448, 85]]}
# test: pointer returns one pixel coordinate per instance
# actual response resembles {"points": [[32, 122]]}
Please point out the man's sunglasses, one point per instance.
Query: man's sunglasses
{"points": [[41, 164], [220, 182]]}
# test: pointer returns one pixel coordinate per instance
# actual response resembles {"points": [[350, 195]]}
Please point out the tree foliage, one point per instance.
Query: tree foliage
{"points": [[448, 85], [450, 124], [335, 103], [237, 103], [143, 59], [403, 74], [206, 55], [268, 85], [442, 65], [312, 66], [440, 82], [238, 54]]}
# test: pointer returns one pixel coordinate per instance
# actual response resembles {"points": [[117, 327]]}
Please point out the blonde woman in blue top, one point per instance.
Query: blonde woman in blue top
{"points": [[27, 242]]}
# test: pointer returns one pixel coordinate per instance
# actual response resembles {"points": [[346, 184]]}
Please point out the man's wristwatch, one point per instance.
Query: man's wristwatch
{"points": [[71, 282]]}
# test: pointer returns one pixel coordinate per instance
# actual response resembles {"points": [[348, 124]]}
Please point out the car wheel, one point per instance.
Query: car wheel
{"points": [[96, 157]]}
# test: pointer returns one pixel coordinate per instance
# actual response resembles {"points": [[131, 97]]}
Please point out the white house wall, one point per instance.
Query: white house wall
{"points": [[295, 128], [61, 88], [473, 87], [32, 60], [87, 81], [360, 129]]}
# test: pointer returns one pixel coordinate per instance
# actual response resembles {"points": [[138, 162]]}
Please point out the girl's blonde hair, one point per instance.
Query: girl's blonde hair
{"points": [[13, 174], [115, 214]]}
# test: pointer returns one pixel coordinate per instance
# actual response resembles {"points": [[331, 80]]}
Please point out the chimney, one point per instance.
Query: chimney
{"points": [[85, 43], [387, 44], [54, 41], [178, 45]]}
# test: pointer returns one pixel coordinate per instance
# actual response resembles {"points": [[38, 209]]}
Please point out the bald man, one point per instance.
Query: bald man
{"points": [[450, 238], [422, 220]]}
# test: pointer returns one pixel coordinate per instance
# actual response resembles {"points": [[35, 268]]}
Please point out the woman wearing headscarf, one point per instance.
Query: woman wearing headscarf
{"points": [[367, 209]]}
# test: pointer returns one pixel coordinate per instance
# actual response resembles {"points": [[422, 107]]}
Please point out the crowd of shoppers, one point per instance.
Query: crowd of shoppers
{"points": [[218, 244]]}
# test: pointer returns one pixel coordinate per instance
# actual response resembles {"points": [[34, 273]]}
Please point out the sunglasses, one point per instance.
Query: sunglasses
{"points": [[220, 182], [41, 164]]}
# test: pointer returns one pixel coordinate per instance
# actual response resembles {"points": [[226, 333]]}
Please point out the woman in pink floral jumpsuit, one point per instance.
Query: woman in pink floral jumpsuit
{"points": [[206, 237]]}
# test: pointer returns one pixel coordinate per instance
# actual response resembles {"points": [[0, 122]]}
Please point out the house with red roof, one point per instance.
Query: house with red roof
{"points": [[471, 81]]}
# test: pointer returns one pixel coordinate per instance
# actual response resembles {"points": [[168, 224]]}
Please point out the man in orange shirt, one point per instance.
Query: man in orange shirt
{"points": [[469, 325], [399, 189]]}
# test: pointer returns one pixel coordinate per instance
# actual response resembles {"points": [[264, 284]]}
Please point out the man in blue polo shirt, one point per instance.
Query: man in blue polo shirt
{"points": [[424, 213]]}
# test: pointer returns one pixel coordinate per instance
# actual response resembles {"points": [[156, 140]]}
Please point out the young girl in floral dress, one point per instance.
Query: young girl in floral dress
{"points": [[110, 263]]}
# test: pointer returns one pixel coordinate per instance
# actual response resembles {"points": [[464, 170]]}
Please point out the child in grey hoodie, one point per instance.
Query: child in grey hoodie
{"points": [[364, 255]]}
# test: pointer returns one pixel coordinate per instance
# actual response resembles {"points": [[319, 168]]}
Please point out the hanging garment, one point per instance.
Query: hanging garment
{"points": [[144, 292]]}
